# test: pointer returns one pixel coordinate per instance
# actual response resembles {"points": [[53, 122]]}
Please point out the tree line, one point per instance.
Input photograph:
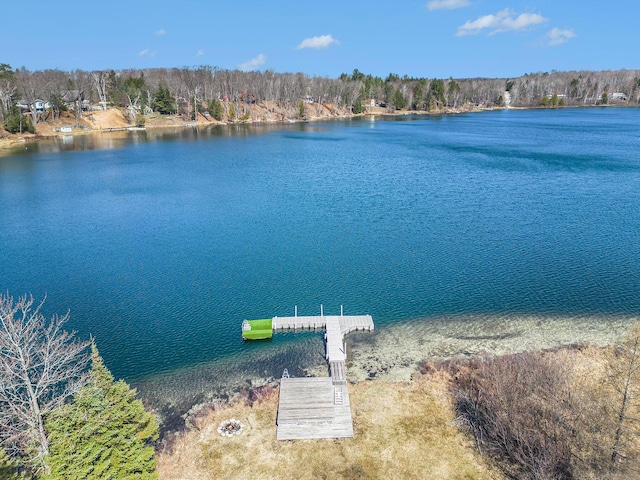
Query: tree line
{"points": [[62, 413], [229, 94]]}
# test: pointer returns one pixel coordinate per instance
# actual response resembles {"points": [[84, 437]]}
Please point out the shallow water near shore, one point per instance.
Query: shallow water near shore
{"points": [[391, 353], [456, 233]]}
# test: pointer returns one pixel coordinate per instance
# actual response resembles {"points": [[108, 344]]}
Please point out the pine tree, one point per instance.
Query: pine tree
{"points": [[15, 122], [232, 112], [398, 100], [7, 468], [436, 89], [104, 434], [163, 102], [215, 109], [357, 106]]}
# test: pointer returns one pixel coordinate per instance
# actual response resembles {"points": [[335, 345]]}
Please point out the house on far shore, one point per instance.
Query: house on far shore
{"points": [[369, 102], [308, 99], [39, 105], [71, 98], [618, 97]]}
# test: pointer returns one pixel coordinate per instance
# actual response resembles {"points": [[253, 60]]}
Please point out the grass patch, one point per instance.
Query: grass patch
{"points": [[402, 430]]}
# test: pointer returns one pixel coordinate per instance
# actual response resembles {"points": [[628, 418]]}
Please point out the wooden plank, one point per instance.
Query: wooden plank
{"points": [[338, 375], [311, 421]]}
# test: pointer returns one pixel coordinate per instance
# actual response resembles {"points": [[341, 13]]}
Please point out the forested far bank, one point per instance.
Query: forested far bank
{"points": [[30, 97]]}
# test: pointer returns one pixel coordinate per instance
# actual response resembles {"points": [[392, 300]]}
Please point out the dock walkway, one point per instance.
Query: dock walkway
{"points": [[319, 407]]}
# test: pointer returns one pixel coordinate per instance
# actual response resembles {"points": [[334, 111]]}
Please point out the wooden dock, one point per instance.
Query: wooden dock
{"points": [[318, 407]]}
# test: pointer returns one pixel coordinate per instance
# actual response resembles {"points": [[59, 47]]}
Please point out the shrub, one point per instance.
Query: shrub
{"points": [[534, 416]]}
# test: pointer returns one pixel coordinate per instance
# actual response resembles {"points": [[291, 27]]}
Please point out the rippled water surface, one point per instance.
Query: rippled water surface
{"points": [[161, 248]]}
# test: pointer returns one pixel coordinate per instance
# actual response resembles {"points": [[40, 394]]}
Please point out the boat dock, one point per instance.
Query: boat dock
{"points": [[336, 327], [319, 407]]}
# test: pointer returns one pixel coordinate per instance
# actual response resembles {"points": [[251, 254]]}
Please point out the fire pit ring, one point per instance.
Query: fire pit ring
{"points": [[229, 428]]}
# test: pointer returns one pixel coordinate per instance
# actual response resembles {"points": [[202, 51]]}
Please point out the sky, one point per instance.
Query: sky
{"points": [[427, 38]]}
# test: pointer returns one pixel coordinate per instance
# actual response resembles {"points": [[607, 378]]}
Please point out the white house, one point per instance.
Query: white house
{"points": [[40, 105], [618, 96]]}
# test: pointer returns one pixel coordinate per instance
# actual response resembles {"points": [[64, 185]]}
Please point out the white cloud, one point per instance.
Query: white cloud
{"points": [[447, 4], [161, 32], [522, 21], [503, 21], [557, 36], [199, 53], [253, 64], [323, 41], [144, 52]]}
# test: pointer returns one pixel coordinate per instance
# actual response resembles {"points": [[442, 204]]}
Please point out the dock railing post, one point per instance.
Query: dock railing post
{"points": [[321, 312], [341, 312], [295, 310]]}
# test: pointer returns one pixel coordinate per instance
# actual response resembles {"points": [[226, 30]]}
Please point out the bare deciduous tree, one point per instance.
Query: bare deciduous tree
{"points": [[624, 376], [100, 84], [40, 366]]}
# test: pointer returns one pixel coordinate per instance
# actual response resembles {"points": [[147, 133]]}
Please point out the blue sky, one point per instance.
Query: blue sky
{"points": [[428, 38]]}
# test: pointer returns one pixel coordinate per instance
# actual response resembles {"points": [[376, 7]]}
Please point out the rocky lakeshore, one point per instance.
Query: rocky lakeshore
{"points": [[392, 354]]}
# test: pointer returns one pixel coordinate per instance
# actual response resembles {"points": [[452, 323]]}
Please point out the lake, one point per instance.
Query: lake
{"points": [[160, 244]]}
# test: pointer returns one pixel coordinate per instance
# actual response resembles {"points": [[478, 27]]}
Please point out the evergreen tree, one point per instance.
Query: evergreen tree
{"points": [[163, 102], [357, 75], [215, 109], [232, 112], [436, 90], [418, 98], [104, 434], [8, 470], [357, 106], [15, 122], [398, 100]]}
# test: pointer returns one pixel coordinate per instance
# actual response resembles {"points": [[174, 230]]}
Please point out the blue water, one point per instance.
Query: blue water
{"points": [[161, 246]]}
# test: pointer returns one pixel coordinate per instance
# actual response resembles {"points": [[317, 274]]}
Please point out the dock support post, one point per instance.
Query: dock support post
{"points": [[295, 310], [321, 312], [341, 313]]}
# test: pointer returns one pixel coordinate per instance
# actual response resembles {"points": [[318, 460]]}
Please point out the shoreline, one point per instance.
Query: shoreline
{"points": [[117, 123], [392, 353]]}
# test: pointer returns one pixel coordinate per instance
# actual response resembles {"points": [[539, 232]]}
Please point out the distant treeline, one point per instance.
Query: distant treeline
{"points": [[189, 89]]}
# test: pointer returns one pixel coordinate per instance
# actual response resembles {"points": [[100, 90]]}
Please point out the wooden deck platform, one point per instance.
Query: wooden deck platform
{"points": [[318, 407], [313, 407]]}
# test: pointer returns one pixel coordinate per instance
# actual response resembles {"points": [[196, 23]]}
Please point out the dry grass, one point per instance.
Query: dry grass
{"points": [[402, 430]]}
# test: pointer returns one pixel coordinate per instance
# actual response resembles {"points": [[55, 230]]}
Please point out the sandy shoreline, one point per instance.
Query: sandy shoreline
{"points": [[391, 353], [113, 121]]}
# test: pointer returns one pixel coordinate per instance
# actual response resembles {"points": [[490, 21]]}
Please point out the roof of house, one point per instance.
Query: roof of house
{"points": [[72, 95]]}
